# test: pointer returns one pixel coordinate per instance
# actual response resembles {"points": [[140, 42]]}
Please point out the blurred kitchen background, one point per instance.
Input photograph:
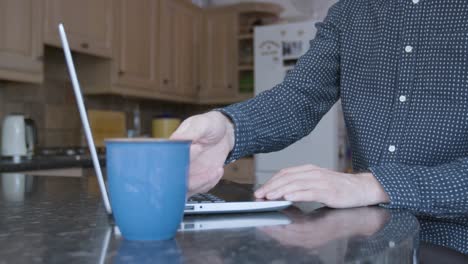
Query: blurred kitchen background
{"points": [[145, 61]]}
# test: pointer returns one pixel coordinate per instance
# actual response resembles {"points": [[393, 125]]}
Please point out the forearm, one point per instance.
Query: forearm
{"points": [[440, 190], [271, 122], [277, 118]]}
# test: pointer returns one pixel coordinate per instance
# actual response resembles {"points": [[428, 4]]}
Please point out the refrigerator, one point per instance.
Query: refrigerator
{"points": [[276, 50]]}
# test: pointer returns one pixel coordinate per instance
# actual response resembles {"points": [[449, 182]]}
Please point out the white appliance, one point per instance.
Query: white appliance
{"points": [[277, 48], [19, 136]]}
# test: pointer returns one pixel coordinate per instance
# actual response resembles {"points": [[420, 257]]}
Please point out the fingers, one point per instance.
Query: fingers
{"points": [[294, 186], [209, 126], [302, 196], [272, 188], [301, 182], [306, 167], [280, 181], [195, 150], [309, 183], [191, 129]]}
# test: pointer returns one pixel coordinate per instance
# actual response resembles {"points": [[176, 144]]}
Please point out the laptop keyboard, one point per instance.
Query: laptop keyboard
{"points": [[205, 198]]}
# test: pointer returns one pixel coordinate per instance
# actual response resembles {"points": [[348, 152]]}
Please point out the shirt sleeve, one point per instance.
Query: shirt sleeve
{"points": [[279, 117], [439, 190]]}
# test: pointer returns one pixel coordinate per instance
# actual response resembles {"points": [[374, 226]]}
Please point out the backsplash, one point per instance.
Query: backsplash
{"points": [[52, 106]]}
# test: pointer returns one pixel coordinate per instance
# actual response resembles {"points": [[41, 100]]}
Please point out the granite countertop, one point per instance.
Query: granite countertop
{"points": [[62, 220], [47, 163]]}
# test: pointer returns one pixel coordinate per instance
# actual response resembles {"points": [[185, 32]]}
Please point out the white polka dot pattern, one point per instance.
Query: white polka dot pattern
{"points": [[448, 232], [401, 71]]}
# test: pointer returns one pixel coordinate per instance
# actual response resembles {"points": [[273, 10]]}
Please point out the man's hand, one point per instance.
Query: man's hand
{"points": [[334, 189], [212, 136]]}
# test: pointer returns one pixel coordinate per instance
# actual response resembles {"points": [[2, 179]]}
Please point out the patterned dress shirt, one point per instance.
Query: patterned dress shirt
{"points": [[400, 68]]}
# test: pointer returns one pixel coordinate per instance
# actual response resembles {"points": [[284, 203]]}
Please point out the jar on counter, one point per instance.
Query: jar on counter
{"points": [[164, 125]]}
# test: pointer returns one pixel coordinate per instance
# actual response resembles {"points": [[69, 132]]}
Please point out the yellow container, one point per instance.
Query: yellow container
{"points": [[163, 127]]}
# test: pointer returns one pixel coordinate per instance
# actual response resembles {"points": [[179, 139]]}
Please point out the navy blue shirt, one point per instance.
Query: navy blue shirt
{"points": [[400, 68]]}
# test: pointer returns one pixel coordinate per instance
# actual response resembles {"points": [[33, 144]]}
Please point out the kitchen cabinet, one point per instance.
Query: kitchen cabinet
{"points": [[167, 50], [173, 50], [135, 56], [227, 73], [188, 47], [179, 53], [88, 24], [219, 71], [156, 52], [21, 47], [153, 56]]}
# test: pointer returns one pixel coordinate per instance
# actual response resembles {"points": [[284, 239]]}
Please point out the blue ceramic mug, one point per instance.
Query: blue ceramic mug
{"points": [[147, 186]]}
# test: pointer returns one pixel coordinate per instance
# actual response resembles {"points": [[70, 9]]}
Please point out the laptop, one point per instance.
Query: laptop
{"points": [[231, 197], [226, 197]]}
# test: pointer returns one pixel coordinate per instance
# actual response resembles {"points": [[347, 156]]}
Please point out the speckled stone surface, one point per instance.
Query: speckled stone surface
{"points": [[62, 220], [46, 163]]}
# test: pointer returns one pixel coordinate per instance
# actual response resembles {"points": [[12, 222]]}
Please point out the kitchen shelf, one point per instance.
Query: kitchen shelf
{"points": [[235, 65], [245, 67]]}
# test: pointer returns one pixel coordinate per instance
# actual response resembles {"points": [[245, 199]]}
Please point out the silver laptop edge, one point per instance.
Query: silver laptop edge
{"points": [[235, 207], [84, 117]]}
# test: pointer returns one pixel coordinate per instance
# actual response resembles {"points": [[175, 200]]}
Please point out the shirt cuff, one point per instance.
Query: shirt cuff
{"points": [[398, 184], [241, 132]]}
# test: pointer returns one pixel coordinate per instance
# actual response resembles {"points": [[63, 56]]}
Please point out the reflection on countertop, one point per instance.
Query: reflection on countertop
{"points": [[47, 162], [58, 220]]}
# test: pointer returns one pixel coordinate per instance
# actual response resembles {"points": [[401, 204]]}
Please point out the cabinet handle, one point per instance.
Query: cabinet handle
{"points": [[120, 73], [166, 81], [198, 88], [85, 45], [229, 86]]}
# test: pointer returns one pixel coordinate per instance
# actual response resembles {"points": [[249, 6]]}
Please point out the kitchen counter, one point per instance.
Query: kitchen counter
{"points": [[62, 220], [48, 163]]}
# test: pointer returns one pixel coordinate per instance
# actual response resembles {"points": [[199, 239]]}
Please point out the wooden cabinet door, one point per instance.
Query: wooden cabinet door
{"points": [[179, 54], [21, 46], [241, 171], [88, 24], [219, 57], [136, 43], [167, 46], [187, 53]]}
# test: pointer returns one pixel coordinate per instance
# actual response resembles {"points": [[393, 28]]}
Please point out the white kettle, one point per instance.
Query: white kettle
{"points": [[19, 136]]}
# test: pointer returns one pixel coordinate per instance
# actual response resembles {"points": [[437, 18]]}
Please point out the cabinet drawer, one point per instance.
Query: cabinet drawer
{"points": [[88, 24]]}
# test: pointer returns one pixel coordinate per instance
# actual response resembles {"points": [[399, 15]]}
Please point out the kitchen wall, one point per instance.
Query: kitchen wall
{"points": [[201, 3], [49, 105], [294, 10], [53, 108]]}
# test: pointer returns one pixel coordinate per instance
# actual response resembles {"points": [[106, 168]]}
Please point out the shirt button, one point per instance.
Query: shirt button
{"points": [[391, 148], [415, 1], [402, 98], [408, 49]]}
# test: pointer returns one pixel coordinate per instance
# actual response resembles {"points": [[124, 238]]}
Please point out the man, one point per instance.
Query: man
{"points": [[400, 68]]}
